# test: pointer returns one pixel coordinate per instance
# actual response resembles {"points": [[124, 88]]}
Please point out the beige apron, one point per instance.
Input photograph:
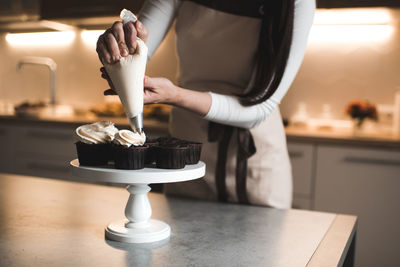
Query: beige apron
{"points": [[221, 59]]}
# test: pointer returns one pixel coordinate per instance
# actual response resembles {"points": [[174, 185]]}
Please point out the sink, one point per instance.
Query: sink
{"points": [[42, 109]]}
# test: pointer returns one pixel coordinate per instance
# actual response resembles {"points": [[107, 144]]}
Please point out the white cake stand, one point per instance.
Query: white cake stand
{"points": [[138, 227]]}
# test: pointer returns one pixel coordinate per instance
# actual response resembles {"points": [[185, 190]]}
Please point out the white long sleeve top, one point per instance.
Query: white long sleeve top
{"points": [[158, 15]]}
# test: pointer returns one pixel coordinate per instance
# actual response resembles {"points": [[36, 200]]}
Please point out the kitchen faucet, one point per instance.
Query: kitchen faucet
{"points": [[51, 64]]}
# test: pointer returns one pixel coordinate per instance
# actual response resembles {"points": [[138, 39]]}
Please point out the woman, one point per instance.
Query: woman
{"points": [[237, 59]]}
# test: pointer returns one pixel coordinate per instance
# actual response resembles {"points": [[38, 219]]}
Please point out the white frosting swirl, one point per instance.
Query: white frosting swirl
{"points": [[97, 133], [128, 138]]}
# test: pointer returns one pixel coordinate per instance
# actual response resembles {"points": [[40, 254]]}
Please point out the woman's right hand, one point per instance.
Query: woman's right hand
{"points": [[104, 75], [120, 40]]}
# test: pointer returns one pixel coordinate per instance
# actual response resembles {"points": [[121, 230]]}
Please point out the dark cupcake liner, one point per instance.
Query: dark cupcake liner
{"points": [[150, 156], [129, 158], [170, 157], [93, 154], [193, 153]]}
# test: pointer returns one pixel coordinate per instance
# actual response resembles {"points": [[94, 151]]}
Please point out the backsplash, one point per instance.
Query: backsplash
{"points": [[78, 78], [337, 73], [332, 74]]}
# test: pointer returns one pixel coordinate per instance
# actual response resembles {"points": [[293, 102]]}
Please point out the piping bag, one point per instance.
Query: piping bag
{"points": [[127, 76]]}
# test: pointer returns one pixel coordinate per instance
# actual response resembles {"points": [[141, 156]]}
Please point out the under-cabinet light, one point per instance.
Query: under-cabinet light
{"points": [[351, 26], [352, 16], [334, 34], [90, 37], [43, 39]]}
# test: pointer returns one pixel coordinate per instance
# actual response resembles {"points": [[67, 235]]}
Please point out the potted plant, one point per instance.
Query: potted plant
{"points": [[360, 110]]}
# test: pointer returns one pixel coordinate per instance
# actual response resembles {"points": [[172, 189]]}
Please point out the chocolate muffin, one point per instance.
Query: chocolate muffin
{"points": [[193, 153], [94, 145], [171, 156], [150, 156], [129, 158], [92, 154], [164, 140], [129, 150]]}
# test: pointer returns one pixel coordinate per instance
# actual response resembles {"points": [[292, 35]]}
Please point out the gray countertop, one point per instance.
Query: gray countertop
{"points": [[55, 223]]}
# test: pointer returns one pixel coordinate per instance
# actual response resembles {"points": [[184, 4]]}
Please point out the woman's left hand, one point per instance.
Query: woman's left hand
{"points": [[156, 90], [159, 90], [162, 90]]}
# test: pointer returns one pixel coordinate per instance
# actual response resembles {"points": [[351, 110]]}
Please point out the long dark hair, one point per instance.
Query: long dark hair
{"points": [[273, 50]]}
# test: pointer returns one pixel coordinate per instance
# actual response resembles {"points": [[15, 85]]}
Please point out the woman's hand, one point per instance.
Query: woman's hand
{"points": [[162, 90], [105, 76], [120, 40], [159, 90], [156, 90]]}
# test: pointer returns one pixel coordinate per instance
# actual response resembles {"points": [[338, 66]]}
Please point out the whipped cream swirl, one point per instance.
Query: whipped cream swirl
{"points": [[96, 133], [128, 138]]}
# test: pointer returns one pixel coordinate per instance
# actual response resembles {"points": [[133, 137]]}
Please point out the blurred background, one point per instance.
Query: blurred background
{"points": [[342, 111]]}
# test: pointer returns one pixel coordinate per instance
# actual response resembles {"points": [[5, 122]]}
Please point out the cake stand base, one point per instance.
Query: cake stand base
{"points": [[138, 227], [153, 231]]}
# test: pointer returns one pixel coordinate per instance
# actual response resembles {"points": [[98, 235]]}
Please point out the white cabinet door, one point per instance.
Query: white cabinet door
{"points": [[302, 160], [366, 183]]}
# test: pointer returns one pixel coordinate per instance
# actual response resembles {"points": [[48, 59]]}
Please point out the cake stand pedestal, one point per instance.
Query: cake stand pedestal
{"points": [[138, 227]]}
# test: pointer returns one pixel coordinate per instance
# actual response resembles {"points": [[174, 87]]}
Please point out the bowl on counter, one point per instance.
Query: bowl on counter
{"points": [[42, 109]]}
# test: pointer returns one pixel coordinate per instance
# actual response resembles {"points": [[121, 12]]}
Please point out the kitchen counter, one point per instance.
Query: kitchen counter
{"points": [[77, 120], [56, 223], [343, 137], [295, 134]]}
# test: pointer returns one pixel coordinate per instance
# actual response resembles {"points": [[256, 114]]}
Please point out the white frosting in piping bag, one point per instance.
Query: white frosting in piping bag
{"points": [[127, 75], [128, 138]]}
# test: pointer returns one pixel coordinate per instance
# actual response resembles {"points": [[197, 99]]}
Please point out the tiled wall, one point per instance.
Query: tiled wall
{"points": [[78, 76], [337, 73], [331, 74]]}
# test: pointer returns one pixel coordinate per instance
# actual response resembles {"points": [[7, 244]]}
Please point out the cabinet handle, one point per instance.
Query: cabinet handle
{"points": [[44, 135], [362, 160], [48, 167], [295, 154]]}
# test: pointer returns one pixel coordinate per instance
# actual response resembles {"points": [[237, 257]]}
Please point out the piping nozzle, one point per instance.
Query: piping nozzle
{"points": [[137, 123]]}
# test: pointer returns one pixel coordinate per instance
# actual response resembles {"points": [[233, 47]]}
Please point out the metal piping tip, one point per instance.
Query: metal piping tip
{"points": [[137, 123]]}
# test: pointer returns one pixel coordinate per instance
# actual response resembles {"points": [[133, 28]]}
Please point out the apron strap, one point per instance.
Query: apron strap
{"points": [[222, 134], [246, 148]]}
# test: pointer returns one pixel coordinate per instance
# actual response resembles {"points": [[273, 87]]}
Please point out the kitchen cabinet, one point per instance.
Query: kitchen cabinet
{"points": [[302, 158], [364, 182], [357, 3], [45, 141], [6, 149], [51, 9], [37, 150], [44, 149], [43, 167], [18, 10], [41, 151]]}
